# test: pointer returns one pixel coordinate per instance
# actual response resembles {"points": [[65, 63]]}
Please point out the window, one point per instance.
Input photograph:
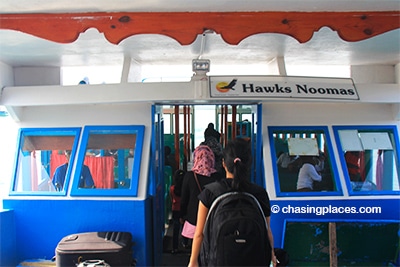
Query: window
{"points": [[303, 161], [369, 158], [40, 152], [108, 162]]}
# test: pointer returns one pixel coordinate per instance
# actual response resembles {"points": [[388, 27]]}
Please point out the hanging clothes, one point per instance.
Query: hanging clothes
{"points": [[379, 171]]}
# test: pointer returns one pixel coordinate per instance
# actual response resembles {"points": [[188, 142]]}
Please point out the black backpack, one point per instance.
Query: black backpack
{"points": [[235, 232]]}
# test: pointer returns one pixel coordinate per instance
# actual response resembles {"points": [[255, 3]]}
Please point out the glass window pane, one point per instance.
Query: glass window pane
{"points": [[42, 162], [303, 160], [109, 160], [372, 165], [167, 124]]}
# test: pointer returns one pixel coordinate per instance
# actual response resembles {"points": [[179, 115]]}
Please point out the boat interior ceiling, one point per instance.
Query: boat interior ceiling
{"points": [[238, 37]]}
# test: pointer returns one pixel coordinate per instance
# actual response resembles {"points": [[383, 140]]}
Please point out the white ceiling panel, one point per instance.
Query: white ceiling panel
{"points": [[92, 49]]}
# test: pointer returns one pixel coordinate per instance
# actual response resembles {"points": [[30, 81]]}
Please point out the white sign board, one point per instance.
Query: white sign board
{"points": [[372, 141], [282, 87], [303, 147], [350, 140]]}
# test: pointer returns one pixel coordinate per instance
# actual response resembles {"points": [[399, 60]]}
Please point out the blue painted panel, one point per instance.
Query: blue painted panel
{"points": [[341, 210], [41, 224], [258, 145], [157, 184], [7, 238]]}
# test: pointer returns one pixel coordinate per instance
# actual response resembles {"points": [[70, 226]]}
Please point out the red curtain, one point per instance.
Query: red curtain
{"points": [[55, 161], [101, 168]]}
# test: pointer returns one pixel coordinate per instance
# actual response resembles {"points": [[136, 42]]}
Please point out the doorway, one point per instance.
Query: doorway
{"points": [[180, 130]]}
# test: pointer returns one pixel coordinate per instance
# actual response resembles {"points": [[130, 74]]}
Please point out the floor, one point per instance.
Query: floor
{"points": [[177, 259]]}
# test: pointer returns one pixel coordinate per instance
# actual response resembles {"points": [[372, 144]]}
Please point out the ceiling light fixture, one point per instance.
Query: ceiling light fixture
{"points": [[200, 65]]}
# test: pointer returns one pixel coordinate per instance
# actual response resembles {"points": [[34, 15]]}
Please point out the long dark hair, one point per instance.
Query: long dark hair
{"points": [[237, 159]]}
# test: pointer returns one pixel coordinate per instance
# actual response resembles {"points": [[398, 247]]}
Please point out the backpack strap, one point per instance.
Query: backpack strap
{"points": [[197, 181]]}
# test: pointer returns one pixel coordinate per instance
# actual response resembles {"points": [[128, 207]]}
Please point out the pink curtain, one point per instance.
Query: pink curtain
{"points": [[102, 170], [34, 176]]}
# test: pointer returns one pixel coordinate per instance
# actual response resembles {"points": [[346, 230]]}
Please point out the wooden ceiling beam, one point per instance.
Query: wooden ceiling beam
{"points": [[185, 26]]}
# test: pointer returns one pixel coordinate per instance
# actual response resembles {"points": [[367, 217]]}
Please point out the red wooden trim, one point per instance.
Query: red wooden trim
{"points": [[185, 26]]}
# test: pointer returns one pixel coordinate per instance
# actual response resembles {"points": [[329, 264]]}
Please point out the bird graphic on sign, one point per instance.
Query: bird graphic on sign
{"points": [[230, 85]]}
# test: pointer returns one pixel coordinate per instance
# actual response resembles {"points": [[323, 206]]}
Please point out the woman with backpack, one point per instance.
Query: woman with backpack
{"points": [[237, 164]]}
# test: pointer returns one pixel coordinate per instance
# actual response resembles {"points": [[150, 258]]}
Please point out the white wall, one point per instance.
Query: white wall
{"points": [[373, 74], [326, 113], [6, 75], [380, 74], [30, 76], [80, 115], [8, 132]]}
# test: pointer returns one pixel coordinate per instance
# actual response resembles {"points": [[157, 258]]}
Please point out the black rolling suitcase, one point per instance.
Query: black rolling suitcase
{"points": [[114, 248]]}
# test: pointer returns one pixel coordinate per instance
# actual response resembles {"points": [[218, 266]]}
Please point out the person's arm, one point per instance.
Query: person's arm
{"points": [[59, 177], [313, 173], [271, 241], [198, 235], [87, 177], [56, 179], [279, 161]]}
